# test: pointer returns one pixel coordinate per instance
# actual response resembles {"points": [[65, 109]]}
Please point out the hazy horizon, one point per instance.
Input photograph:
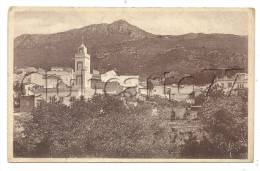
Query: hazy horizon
{"points": [[175, 21]]}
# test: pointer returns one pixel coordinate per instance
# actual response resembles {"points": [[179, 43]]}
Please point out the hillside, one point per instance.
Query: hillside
{"points": [[131, 50]]}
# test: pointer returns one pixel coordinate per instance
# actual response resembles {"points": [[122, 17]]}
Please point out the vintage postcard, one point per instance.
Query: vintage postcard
{"points": [[130, 84]]}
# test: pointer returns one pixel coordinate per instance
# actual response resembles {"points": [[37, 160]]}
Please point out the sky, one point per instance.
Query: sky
{"points": [[164, 21]]}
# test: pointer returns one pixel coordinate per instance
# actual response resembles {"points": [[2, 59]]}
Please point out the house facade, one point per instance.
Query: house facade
{"points": [[235, 83]]}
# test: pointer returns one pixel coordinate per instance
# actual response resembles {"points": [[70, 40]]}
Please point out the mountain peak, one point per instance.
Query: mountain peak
{"points": [[121, 21], [123, 24], [123, 27]]}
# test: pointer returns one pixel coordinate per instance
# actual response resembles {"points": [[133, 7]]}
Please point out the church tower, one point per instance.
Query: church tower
{"points": [[82, 68]]}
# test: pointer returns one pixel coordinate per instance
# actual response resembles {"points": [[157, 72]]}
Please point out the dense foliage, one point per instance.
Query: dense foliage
{"points": [[99, 127], [225, 127], [105, 126]]}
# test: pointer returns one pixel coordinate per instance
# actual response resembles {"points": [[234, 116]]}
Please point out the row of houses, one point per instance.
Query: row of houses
{"points": [[234, 84]]}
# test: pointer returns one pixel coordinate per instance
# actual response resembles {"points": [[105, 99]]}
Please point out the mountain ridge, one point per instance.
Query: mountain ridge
{"points": [[132, 50]]}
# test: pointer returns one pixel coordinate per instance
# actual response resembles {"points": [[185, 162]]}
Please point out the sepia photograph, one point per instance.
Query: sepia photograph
{"points": [[130, 84]]}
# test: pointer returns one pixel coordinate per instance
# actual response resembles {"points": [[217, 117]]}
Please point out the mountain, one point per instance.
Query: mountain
{"points": [[131, 50]]}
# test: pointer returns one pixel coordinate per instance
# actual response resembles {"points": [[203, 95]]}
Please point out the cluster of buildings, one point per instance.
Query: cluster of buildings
{"points": [[234, 84], [67, 84]]}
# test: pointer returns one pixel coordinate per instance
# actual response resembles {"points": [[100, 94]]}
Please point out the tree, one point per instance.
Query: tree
{"points": [[18, 89], [212, 92], [225, 122], [150, 87]]}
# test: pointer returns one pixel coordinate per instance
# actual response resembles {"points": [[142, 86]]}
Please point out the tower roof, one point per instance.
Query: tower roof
{"points": [[82, 49], [82, 45], [82, 42]]}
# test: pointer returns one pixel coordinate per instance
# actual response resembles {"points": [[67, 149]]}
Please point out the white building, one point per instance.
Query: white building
{"points": [[124, 80], [237, 82]]}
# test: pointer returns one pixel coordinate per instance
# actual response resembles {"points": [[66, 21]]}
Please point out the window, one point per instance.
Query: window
{"points": [[78, 80], [81, 50], [79, 65], [230, 84], [240, 86]]}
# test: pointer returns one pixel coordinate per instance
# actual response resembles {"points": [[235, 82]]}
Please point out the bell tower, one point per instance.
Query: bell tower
{"points": [[82, 68]]}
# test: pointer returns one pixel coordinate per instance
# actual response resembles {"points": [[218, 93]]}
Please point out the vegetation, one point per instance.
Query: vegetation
{"points": [[225, 128], [105, 127], [100, 127]]}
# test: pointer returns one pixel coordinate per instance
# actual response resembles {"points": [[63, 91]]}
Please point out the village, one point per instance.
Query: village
{"points": [[67, 84], [175, 104]]}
